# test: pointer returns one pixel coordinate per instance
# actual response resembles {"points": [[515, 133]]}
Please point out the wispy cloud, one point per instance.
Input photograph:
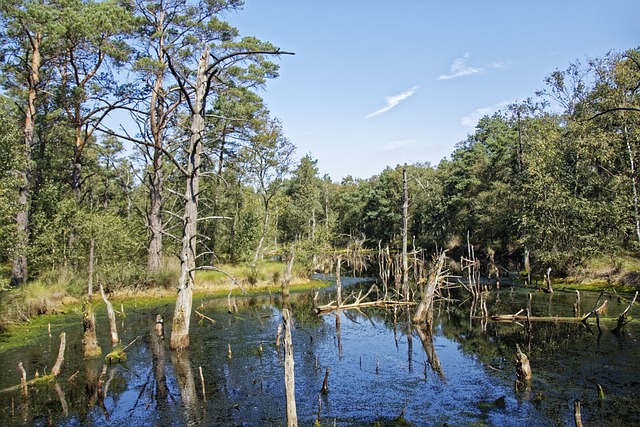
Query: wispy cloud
{"points": [[474, 117], [460, 68], [394, 145], [393, 101]]}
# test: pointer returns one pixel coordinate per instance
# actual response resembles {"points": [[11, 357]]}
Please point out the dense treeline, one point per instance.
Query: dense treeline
{"points": [[111, 109]]}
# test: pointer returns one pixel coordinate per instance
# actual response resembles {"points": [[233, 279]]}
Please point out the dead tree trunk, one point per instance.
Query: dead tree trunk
{"points": [[111, 314], [338, 282], [286, 279], [89, 342], [405, 232], [289, 374], [523, 370], [184, 300], [424, 312], [55, 371]]}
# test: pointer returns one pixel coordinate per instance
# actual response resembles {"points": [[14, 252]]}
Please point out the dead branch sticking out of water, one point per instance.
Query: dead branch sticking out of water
{"points": [[113, 328], [424, 312], [523, 371], [359, 302], [577, 416], [45, 379], [623, 318]]}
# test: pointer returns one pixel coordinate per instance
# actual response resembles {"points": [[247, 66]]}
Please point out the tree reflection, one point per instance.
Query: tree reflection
{"points": [[426, 338], [187, 385]]}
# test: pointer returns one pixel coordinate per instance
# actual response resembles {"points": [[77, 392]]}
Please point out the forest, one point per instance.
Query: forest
{"points": [[133, 135]]}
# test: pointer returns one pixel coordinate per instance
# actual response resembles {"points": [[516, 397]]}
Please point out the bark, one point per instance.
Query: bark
{"points": [[157, 118], [523, 369], [265, 227], [634, 181], [338, 282], [89, 342], [286, 280], [19, 267], [55, 371], [424, 312], [111, 314], [289, 374], [405, 232], [184, 300]]}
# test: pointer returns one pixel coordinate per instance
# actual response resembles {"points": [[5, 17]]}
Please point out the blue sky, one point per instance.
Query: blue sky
{"points": [[381, 83]]}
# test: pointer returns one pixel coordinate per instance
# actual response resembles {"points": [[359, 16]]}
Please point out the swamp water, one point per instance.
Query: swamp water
{"points": [[380, 369]]}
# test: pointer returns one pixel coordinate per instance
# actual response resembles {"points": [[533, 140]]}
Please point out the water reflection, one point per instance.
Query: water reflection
{"points": [[370, 355]]}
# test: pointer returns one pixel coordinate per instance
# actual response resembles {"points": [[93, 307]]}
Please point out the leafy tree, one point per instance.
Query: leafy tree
{"points": [[26, 28]]}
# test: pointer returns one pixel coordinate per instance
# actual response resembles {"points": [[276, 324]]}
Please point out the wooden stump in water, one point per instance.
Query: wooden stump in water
{"points": [[90, 345], [325, 383], [111, 314], [289, 376], [523, 370]]}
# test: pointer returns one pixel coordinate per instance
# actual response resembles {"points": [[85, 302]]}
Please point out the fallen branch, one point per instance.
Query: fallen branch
{"points": [[202, 317], [378, 303], [556, 319], [45, 379]]}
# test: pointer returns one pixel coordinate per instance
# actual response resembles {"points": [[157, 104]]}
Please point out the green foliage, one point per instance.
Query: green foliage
{"points": [[10, 157]]}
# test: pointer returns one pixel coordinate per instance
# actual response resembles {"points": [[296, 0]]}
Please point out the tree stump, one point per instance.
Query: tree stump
{"points": [[523, 369]]}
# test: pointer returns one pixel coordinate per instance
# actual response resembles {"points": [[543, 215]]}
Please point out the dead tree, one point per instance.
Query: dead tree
{"points": [[89, 341], [289, 375], [523, 370], [111, 314], [424, 312], [405, 232]]}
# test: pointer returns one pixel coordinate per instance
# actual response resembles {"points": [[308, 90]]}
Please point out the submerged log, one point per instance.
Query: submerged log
{"points": [[555, 319]]}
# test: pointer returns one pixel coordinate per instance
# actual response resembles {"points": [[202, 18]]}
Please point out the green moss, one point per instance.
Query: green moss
{"points": [[117, 355]]}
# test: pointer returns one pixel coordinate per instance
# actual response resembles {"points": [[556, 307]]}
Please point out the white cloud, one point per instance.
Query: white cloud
{"points": [[460, 68], [393, 145], [474, 117], [392, 101]]}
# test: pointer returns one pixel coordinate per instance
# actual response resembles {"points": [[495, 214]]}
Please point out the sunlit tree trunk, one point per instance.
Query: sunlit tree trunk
{"points": [[182, 312], [405, 231], [19, 268]]}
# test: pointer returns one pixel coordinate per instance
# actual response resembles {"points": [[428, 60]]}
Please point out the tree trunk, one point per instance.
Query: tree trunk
{"points": [[19, 268], [89, 342], [154, 252], [111, 314], [424, 312], [289, 374], [265, 226], [184, 300], [405, 231], [55, 371], [634, 181], [157, 117]]}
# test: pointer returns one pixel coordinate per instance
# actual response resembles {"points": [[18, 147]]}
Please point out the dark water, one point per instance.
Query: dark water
{"points": [[380, 368]]}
